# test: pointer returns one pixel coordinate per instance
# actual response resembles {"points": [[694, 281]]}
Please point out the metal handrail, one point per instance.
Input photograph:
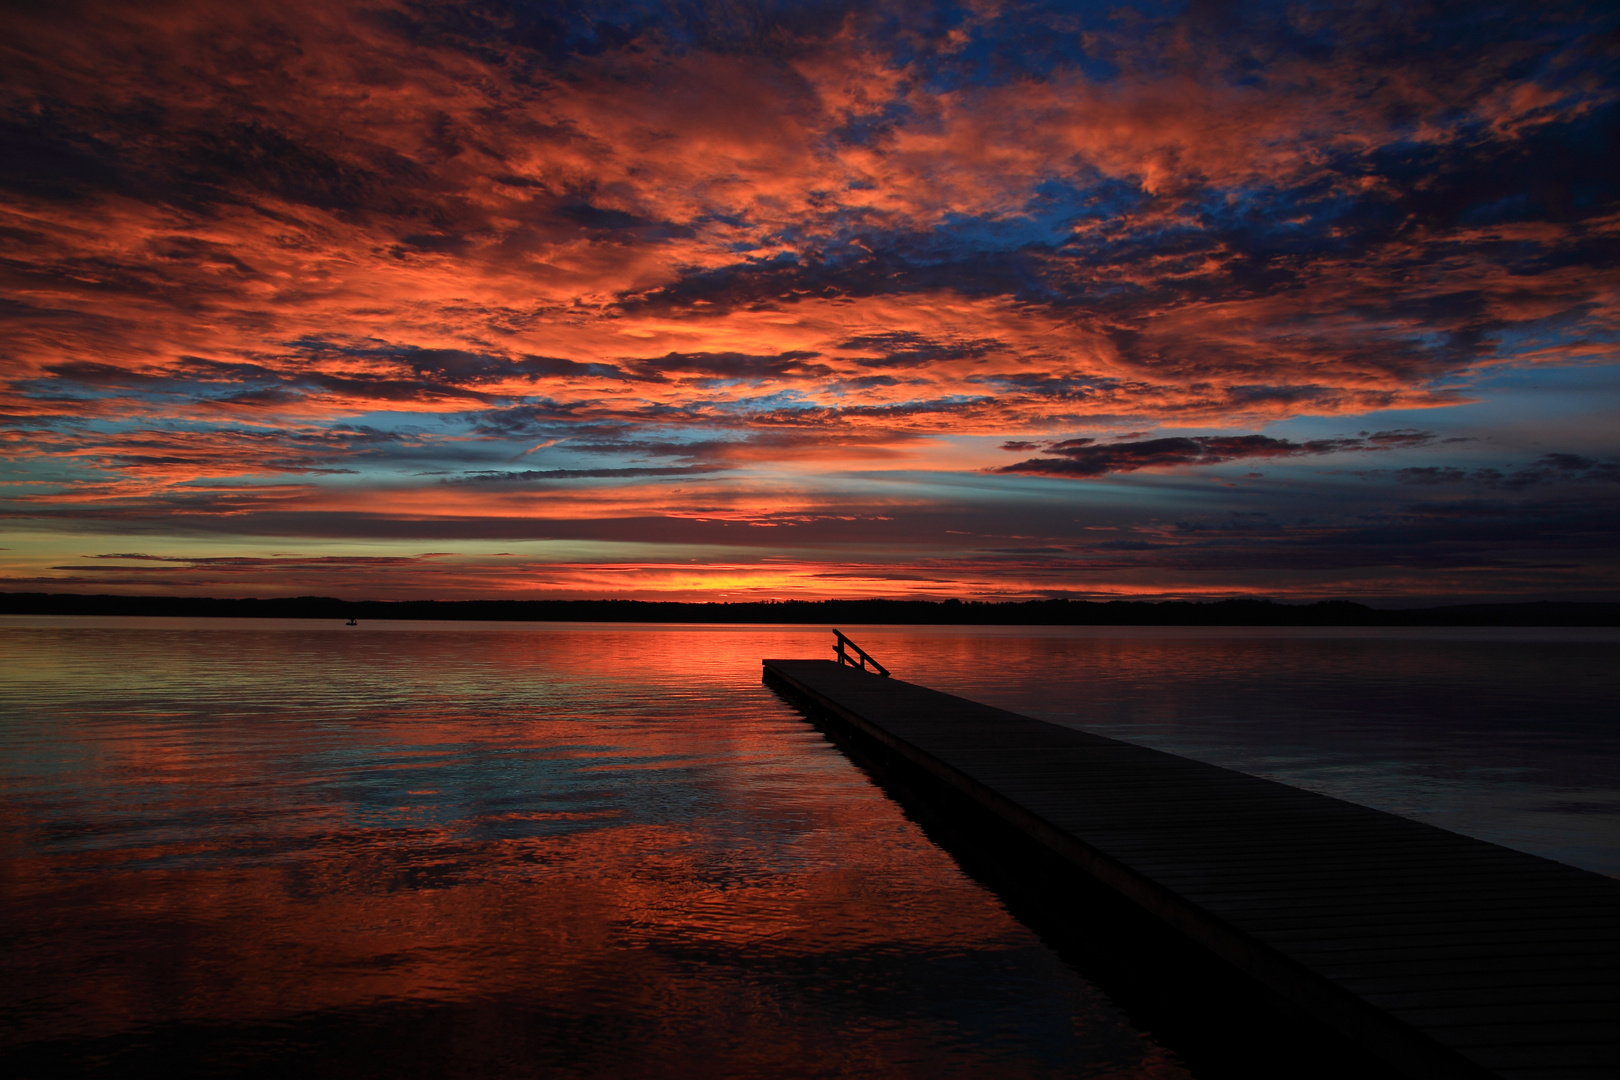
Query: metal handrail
{"points": [[865, 658]]}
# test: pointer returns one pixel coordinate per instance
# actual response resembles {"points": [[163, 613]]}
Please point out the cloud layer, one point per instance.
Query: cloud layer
{"points": [[268, 266]]}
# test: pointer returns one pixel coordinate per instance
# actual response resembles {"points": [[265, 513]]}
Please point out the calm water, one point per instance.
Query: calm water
{"points": [[1511, 735], [429, 849], [456, 850]]}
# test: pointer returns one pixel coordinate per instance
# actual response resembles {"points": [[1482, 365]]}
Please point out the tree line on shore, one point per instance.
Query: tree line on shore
{"points": [[1055, 612]]}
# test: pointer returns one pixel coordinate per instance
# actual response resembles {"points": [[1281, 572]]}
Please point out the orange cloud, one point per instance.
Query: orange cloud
{"points": [[388, 252]]}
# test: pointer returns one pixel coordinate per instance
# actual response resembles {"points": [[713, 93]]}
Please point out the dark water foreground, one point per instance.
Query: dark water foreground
{"points": [[262, 848], [1445, 956], [429, 852]]}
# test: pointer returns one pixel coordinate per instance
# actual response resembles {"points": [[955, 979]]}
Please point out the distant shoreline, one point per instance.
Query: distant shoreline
{"points": [[833, 612]]}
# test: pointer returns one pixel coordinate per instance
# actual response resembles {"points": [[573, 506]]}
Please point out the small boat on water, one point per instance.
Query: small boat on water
{"points": [[351, 622]]}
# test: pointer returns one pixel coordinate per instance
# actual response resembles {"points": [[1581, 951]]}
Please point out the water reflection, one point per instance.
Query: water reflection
{"points": [[463, 850]]}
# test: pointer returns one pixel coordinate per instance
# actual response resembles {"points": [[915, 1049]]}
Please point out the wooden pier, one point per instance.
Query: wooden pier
{"points": [[1442, 955]]}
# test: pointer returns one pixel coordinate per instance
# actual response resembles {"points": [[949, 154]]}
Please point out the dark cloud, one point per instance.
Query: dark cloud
{"points": [[1430, 474], [462, 367], [538, 419], [619, 224], [733, 365], [1548, 469], [904, 349], [1083, 457]]}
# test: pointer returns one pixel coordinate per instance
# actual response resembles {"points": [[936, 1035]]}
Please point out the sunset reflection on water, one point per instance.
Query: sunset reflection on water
{"points": [[450, 848]]}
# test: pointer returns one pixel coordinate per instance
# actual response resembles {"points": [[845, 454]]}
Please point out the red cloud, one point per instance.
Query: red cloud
{"points": [[374, 253]]}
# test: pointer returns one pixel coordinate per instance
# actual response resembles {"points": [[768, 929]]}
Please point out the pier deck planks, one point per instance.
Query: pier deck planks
{"points": [[1445, 955]]}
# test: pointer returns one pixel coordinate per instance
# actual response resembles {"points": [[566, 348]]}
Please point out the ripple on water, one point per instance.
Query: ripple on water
{"points": [[464, 850]]}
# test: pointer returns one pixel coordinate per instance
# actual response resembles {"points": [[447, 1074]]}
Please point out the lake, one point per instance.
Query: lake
{"points": [[261, 847]]}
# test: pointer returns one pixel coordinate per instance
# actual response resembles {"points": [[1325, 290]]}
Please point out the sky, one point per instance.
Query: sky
{"points": [[728, 301]]}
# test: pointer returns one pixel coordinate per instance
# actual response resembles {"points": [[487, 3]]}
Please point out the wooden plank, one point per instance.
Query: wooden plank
{"points": [[1445, 955]]}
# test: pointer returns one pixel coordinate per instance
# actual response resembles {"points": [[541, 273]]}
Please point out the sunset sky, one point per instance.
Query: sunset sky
{"points": [[739, 301]]}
